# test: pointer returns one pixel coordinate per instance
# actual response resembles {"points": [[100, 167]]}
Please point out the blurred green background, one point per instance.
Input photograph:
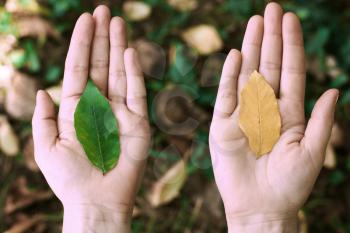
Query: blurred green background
{"points": [[182, 76]]}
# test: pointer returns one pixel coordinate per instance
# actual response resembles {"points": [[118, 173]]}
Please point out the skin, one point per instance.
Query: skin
{"points": [[94, 202], [264, 195]]}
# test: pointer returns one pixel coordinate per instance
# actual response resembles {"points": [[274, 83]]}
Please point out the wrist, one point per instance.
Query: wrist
{"points": [[94, 218], [263, 222]]}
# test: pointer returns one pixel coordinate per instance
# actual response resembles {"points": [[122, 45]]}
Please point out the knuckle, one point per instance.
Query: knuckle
{"points": [[246, 72], [99, 64], [293, 70], [83, 44], [270, 65], [101, 36], [119, 73], [227, 94], [75, 67], [117, 98]]}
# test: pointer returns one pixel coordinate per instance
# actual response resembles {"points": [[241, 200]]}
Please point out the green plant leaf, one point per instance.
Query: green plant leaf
{"points": [[96, 129], [18, 58], [32, 56], [339, 81], [53, 73]]}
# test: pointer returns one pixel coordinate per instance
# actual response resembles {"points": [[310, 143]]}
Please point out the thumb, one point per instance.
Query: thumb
{"points": [[44, 123], [319, 127]]}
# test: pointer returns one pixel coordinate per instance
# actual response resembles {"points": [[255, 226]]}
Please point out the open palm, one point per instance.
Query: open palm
{"points": [[98, 50], [277, 184]]}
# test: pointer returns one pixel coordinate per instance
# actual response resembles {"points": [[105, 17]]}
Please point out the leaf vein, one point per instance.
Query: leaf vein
{"points": [[98, 139]]}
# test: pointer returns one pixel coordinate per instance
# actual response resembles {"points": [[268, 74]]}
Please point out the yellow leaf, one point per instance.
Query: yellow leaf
{"points": [[9, 143], [35, 26], [136, 10], [330, 161], [259, 116], [169, 185], [204, 38], [20, 96], [31, 7], [183, 5], [55, 93], [303, 228]]}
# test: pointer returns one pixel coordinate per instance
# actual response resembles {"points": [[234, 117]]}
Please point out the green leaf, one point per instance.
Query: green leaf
{"points": [[337, 177], [62, 7], [53, 73], [318, 42], [182, 70], [345, 99], [339, 81], [32, 56], [96, 129], [18, 58], [6, 23]]}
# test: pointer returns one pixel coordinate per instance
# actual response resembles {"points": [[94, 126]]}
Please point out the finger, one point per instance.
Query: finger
{"points": [[44, 122], [319, 127], [292, 87], [76, 72], [227, 93], [136, 91], [77, 62], [117, 76], [293, 66], [251, 49], [100, 49], [271, 51]]}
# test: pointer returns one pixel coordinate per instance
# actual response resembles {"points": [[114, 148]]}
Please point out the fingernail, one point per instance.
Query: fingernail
{"points": [[336, 101], [40, 94]]}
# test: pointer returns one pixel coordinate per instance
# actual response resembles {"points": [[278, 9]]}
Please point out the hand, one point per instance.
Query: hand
{"points": [[266, 193], [93, 201]]}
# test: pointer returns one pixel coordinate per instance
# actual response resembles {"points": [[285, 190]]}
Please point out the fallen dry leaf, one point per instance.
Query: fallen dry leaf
{"points": [[336, 135], [259, 116], [211, 71], [6, 72], [204, 38], [183, 5], [2, 96], [35, 26], [152, 58], [23, 7], [7, 43], [333, 69], [169, 185], [136, 211], [55, 93], [136, 10], [303, 228], [20, 97], [330, 161], [336, 139], [9, 143], [28, 154]]}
